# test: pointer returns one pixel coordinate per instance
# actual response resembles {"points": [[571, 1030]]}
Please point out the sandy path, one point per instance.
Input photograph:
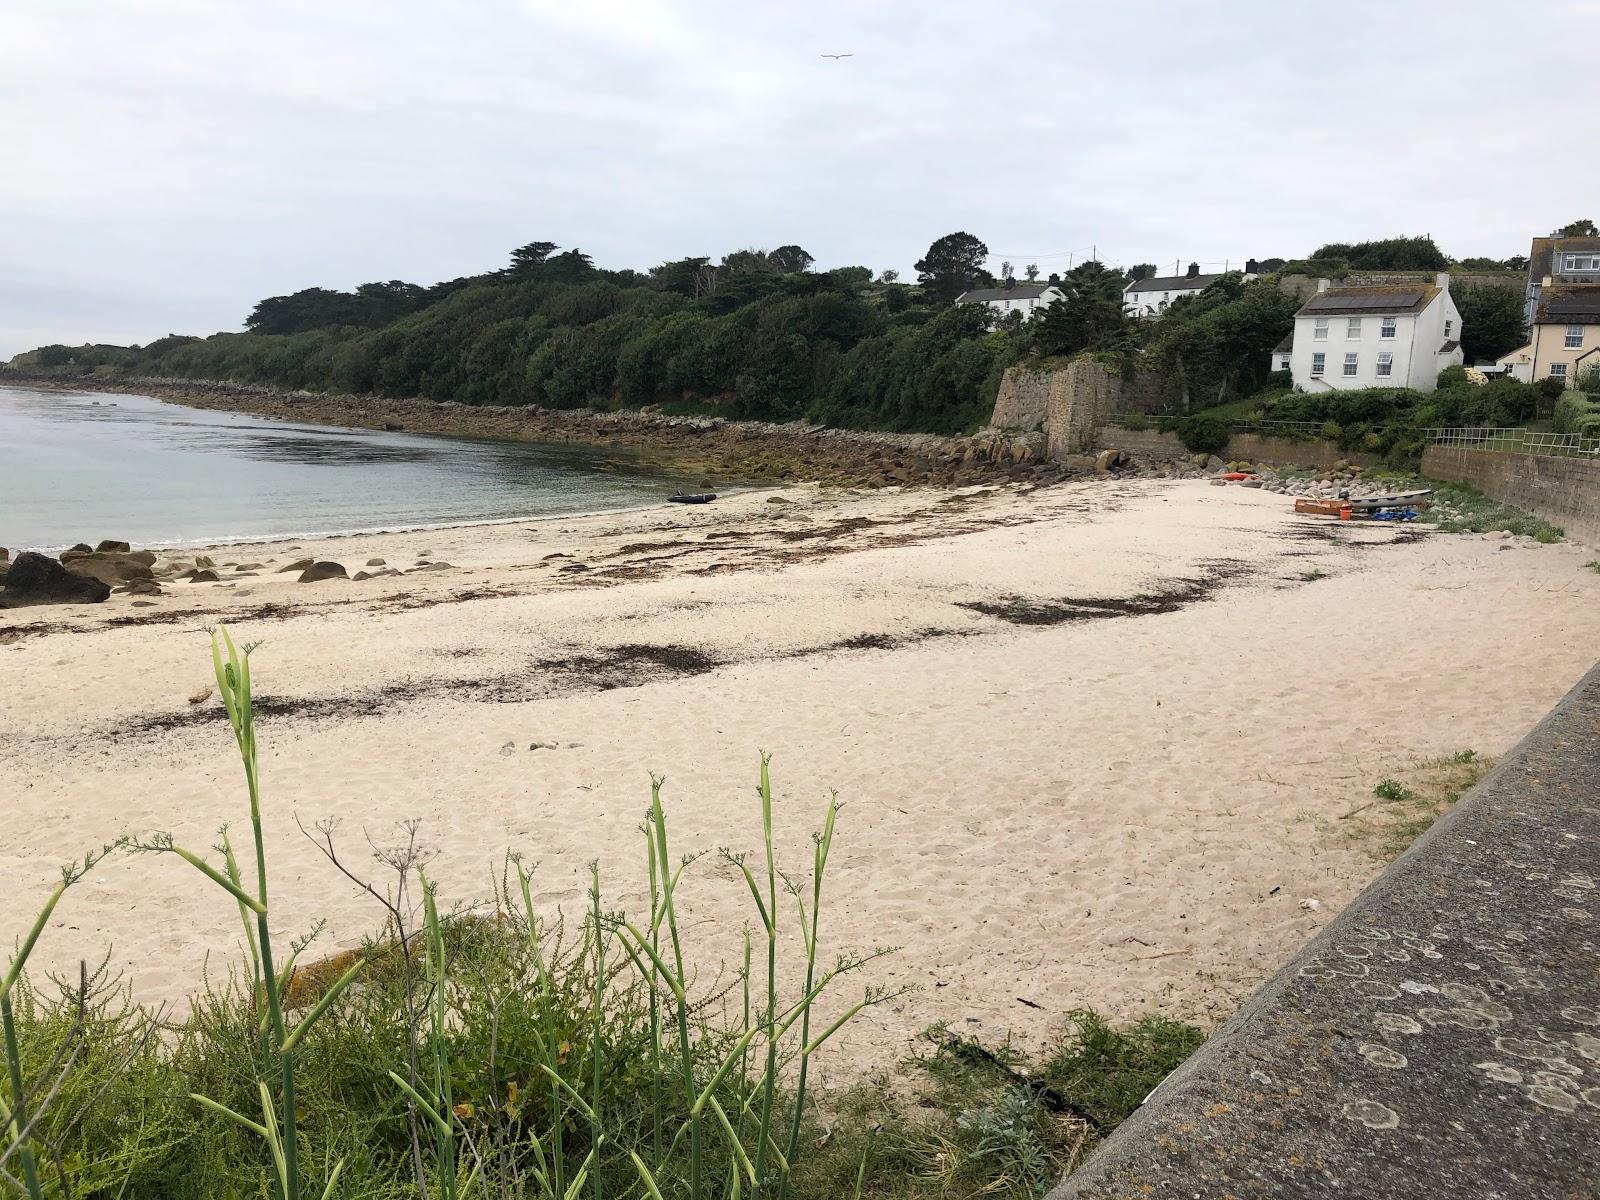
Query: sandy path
{"points": [[1123, 808]]}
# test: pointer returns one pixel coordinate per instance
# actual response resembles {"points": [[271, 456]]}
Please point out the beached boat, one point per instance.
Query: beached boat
{"points": [[692, 497]]}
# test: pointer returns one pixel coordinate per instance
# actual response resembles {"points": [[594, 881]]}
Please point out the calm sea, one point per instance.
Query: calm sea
{"points": [[81, 466]]}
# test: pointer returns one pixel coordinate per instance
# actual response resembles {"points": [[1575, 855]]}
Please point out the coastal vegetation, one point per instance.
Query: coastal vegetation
{"points": [[758, 334], [487, 1050]]}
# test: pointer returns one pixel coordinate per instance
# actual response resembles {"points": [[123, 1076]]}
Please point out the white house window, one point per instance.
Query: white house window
{"points": [[1583, 262], [1558, 370], [1388, 329], [1351, 362], [1319, 330], [1448, 326], [1385, 363], [1317, 362], [1283, 362], [1352, 329], [1574, 337]]}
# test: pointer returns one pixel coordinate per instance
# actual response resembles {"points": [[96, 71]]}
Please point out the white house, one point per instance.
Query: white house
{"points": [[1359, 337], [1283, 353], [1151, 297], [1026, 298]]}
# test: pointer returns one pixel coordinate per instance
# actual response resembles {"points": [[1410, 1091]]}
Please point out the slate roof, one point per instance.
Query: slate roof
{"points": [[1370, 301], [1020, 291], [1172, 283], [1542, 257], [1286, 345], [1449, 347], [1569, 306]]}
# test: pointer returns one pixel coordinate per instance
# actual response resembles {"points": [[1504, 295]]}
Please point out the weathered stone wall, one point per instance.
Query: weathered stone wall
{"points": [[1023, 400], [1564, 491], [1071, 401], [1440, 1037], [1082, 395]]}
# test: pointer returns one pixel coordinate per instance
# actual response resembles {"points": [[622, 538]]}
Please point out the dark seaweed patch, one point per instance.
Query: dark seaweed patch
{"points": [[1020, 610]]}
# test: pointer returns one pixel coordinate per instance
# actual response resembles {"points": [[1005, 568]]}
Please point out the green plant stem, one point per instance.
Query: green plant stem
{"points": [[769, 1081], [19, 1099], [659, 818], [595, 1055]]}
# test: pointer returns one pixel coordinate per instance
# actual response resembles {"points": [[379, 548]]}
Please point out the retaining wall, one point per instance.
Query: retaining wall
{"points": [[1564, 491], [1441, 1037]]}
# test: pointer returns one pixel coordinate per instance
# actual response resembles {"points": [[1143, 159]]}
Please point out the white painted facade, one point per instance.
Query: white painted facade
{"points": [[1024, 298], [1376, 348]]}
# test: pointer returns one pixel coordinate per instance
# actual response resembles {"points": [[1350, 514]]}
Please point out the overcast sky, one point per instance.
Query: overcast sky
{"points": [[166, 163]]}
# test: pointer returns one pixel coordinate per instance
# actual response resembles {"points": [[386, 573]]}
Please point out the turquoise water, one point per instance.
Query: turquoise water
{"points": [[82, 466]]}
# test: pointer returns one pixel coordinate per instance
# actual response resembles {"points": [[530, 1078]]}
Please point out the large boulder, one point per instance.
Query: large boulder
{"points": [[115, 547], [35, 579], [109, 568], [319, 571], [299, 564]]}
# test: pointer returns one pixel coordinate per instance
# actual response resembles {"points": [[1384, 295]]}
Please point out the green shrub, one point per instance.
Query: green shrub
{"points": [[1551, 388], [1205, 434], [1278, 381], [1573, 410]]}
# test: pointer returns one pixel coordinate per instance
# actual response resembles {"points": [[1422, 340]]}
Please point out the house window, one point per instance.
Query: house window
{"points": [[1317, 361], [1388, 329], [1283, 362], [1583, 262], [1319, 330], [1352, 329], [1558, 370], [1351, 362], [1448, 326], [1385, 363], [1574, 337]]}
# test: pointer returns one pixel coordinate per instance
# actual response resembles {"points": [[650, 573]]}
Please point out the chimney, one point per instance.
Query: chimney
{"points": [[1194, 269], [1252, 267], [1324, 284]]}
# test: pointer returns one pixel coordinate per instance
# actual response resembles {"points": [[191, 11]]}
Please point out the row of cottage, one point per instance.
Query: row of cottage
{"points": [[1400, 333]]}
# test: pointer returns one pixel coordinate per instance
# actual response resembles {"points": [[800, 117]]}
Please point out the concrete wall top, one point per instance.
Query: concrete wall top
{"points": [[1441, 1037]]}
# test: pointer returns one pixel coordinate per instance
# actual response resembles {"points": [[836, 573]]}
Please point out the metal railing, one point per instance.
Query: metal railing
{"points": [[1516, 441]]}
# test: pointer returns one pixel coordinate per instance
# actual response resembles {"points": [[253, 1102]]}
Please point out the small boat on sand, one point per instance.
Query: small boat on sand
{"points": [[692, 497]]}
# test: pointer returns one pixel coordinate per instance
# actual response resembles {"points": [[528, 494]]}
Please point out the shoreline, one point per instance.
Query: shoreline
{"points": [[714, 447]]}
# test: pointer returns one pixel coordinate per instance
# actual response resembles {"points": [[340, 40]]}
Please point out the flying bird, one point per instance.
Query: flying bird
{"points": [[836, 57]]}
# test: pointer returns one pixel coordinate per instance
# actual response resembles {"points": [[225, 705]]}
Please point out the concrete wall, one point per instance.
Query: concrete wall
{"points": [[1564, 491], [1439, 1038]]}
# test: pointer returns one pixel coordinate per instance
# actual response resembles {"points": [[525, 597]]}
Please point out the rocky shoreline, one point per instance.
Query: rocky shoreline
{"points": [[713, 447]]}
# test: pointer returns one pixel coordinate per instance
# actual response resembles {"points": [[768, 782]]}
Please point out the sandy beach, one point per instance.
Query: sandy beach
{"points": [[1093, 741]]}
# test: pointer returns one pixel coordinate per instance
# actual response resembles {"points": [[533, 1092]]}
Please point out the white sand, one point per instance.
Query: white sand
{"points": [[1121, 812]]}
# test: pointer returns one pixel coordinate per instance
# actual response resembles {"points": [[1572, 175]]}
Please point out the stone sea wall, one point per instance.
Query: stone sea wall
{"points": [[1564, 491], [1318, 454]]}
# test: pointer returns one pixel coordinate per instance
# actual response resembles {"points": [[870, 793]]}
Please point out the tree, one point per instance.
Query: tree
{"points": [[1031, 271], [1491, 321], [1218, 344], [1583, 228], [791, 259], [525, 258], [1389, 254], [1089, 317], [952, 265], [1141, 271], [889, 276], [1006, 278]]}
